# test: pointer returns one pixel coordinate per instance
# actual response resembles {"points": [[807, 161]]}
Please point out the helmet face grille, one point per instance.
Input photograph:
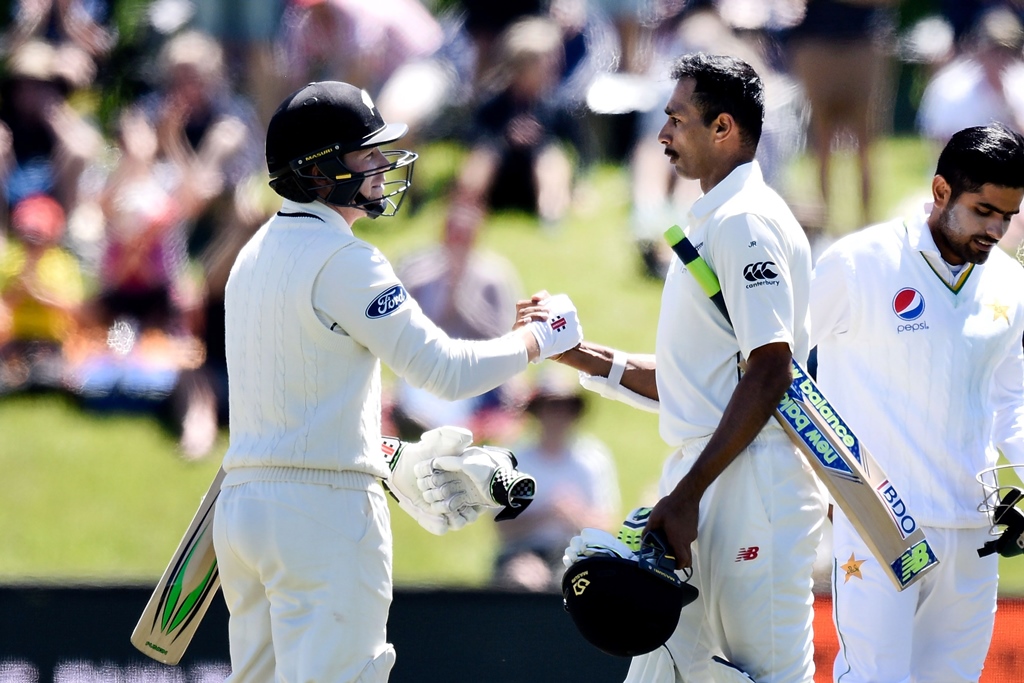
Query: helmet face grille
{"points": [[329, 171], [621, 608]]}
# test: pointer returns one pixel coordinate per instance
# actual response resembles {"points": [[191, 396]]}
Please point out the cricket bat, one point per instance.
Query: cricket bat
{"points": [[853, 477], [185, 591]]}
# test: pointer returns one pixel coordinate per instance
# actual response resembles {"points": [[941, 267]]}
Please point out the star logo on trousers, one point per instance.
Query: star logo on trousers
{"points": [[852, 568]]}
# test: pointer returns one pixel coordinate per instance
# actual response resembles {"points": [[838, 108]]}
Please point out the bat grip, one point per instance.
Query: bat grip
{"points": [[698, 267]]}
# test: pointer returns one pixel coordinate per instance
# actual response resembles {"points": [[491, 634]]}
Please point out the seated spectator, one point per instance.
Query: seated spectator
{"points": [[590, 45], [981, 84], [519, 157], [141, 352], [487, 20], [44, 143], [141, 273], [432, 93], [247, 30], [41, 289], [76, 24], [577, 486], [963, 15], [984, 83], [205, 127], [355, 41], [632, 21], [470, 293]]}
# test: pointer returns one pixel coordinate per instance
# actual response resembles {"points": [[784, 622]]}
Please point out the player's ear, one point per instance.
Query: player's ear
{"points": [[723, 126], [941, 192]]}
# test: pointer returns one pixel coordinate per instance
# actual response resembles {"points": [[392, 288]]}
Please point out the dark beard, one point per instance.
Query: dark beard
{"points": [[961, 251]]}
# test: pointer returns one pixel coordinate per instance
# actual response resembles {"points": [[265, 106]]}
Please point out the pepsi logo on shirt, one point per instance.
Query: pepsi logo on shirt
{"points": [[908, 305]]}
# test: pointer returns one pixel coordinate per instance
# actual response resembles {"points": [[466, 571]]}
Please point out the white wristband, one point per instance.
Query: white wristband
{"points": [[617, 392], [618, 367]]}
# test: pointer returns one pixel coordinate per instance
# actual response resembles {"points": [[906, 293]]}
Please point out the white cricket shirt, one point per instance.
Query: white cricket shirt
{"points": [[310, 313], [750, 239], [927, 368]]}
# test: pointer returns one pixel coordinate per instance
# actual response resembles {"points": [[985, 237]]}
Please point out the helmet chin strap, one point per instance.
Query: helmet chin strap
{"points": [[373, 209], [335, 185]]}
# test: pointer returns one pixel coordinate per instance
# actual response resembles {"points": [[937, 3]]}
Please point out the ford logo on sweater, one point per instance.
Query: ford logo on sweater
{"points": [[387, 302]]}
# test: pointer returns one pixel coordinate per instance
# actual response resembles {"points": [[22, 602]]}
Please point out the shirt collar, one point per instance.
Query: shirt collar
{"points": [[919, 235], [727, 188], [318, 209]]}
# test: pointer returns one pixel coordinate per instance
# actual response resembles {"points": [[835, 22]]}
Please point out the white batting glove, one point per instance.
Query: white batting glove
{"points": [[436, 524], [561, 331], [481, 476], [402, 457], [593, 542]]}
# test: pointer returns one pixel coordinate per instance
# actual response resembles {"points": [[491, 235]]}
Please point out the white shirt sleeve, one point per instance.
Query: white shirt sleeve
{"points": [[830, 297], [754, 274], [358, 294], [1008, 397]]}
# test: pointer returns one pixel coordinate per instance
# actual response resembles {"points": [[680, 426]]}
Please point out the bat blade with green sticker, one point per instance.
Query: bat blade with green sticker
{"points": [[185, 590], [853, 477]]}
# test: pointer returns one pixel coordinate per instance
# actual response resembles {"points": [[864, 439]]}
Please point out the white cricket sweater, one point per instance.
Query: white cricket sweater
{"points": [[303, 395], [929, 375]]}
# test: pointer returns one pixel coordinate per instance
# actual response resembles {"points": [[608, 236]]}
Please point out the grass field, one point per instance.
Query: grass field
{"points": [[91, 498]]}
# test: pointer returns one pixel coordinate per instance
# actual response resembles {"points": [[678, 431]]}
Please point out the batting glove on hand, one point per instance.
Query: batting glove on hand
{"points": [[561, 331], [592, 542], [481, 476], [402, 457]]}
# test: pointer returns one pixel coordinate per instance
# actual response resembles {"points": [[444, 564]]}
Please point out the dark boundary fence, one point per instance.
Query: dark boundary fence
{"points": [[483, 636], [80, 635]]}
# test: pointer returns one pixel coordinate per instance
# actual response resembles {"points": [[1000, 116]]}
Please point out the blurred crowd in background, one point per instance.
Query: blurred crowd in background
{"points": [[132, 171]]}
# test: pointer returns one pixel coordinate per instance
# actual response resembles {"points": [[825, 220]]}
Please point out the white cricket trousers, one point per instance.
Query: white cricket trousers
{"points": [[760, 523], [936, 631], [306, 574]]}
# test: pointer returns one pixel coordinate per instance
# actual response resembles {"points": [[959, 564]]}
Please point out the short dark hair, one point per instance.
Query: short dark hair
{"points": [[725, 85], [982, 155]]}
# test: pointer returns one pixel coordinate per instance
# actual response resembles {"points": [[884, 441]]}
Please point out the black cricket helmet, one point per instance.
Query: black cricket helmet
{"points": [[1000, 505], [311, 132], [627, 607]]}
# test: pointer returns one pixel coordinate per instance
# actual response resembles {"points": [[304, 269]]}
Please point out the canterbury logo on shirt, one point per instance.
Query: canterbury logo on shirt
{"points": [[760, 271], [387, 302]]}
